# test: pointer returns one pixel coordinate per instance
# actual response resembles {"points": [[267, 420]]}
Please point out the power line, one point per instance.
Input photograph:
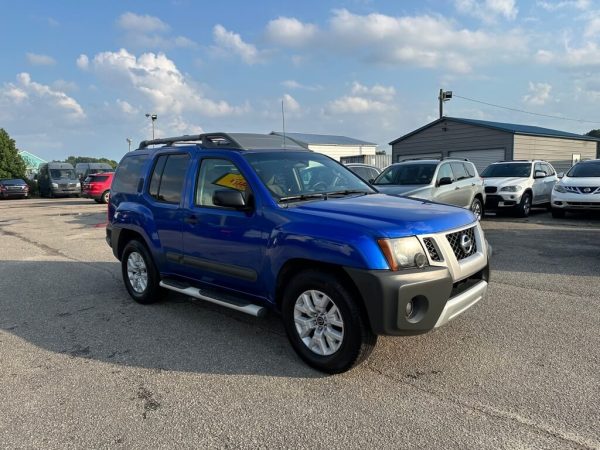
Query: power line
{"points": [[525, 112]]}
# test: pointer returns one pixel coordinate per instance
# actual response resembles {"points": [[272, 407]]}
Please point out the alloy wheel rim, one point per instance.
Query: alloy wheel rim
{"points": [[477, 210], [137, 272], [526, 206], [318, 322]]}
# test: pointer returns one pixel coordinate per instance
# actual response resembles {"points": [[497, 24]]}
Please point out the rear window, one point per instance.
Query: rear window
{"points": [[98, 178], [168, 176], [128, 174]]}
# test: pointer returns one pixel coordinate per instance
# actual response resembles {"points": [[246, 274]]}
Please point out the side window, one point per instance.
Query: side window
{"points": [[169, 181], [459, 171], [362, 172], [470, 169], [548, 169], [538, 168], [217, 174], [445, 172], [128, 174], [372, 174]]}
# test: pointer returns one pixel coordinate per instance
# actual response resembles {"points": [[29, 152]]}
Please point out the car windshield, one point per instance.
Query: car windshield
{"points": [[521, 170], [406, 174], [582, 170], [62, 173], [305, 175]]}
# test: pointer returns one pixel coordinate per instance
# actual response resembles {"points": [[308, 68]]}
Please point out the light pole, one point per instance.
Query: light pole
{"points": [[153, 118], [443, 97], [128, 143]]}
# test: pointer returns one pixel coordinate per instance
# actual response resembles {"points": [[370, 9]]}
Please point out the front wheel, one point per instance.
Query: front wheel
{"points": [[324, 323], [477, 208], [139, 273], [524, 208]]}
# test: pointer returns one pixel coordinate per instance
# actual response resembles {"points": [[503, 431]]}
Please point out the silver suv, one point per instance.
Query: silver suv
{"points": [[518, 185], [451, 181]]}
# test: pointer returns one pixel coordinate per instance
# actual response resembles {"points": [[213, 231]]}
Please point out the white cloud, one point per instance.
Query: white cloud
{"points": [[40, 60], [65, 86], [488, 10], [386, 93], [292, 84], [290, 103], [145, 31], [539, 94], [355, 105], [290, 32], [228, 42], [132, 22], [585, 56], [592, 29], [29, 100], [554, 6], [83, 62], [127, 108], [158, 84]]}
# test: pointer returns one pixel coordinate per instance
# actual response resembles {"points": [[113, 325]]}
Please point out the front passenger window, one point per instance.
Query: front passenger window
{"points": [[218, 174], [445, 172]]}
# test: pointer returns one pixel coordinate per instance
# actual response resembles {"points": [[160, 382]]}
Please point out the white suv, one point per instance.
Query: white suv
{"points": [[518, 185], [578, 190]]}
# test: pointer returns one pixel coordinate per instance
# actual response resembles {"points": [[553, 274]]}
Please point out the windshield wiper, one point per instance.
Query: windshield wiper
{"points": [[301, 197], [347, 192]]}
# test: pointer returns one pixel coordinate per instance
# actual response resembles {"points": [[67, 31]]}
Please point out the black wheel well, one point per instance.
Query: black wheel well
{"points": [[295, 266], [124, 237], [480, 197]]}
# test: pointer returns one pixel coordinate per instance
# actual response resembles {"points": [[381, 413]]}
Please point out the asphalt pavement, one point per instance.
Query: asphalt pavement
{"points": [[83, 366]]}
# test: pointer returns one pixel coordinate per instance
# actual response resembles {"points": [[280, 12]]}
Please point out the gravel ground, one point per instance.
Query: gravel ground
{"points": [[84, 366]]}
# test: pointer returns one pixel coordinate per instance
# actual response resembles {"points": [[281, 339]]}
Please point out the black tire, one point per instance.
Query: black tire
{"points": [[477, 205], [358, 340], [524, 208], [152, 292], [558, 213], [104, 197]]}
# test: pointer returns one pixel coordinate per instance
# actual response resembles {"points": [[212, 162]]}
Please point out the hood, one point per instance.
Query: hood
{"points": [[387, 215], [580, 181], [399, 189], [501, 182]]}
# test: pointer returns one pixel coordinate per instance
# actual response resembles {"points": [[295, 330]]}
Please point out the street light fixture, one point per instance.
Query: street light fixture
{"points": [[129, 141], [443, 97], [153, 118]]}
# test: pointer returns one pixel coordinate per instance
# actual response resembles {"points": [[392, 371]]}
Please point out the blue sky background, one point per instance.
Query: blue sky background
{"points": [[77, 77]]}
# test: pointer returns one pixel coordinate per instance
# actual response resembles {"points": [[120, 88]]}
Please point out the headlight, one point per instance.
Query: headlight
{"points": [[516, 188], [559, 188], [55, 185], [403, 253], [78, 184]]}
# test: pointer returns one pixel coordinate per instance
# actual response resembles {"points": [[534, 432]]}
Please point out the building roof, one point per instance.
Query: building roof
{"points": [[507, 127], [31, 161], [306, 139]]}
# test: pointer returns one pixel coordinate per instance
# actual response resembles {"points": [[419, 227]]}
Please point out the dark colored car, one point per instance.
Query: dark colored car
{"points": [[13, 188], [239, 221], [97, 186]]}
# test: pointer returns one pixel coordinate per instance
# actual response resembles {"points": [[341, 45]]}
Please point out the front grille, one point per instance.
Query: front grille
{"points": [[434, 254], [490, 189], [587, 189], [15, 188], [63, 186], [463, 243]]}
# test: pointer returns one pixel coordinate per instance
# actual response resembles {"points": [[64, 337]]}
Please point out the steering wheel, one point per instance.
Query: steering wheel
{"points": [[319, 186]]}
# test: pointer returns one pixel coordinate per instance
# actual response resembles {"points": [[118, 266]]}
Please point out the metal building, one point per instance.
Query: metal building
{"points": [[335, 147], [485, 142]]}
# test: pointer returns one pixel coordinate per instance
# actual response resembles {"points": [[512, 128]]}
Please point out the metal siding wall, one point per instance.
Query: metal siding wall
{"points": [[558, 152], [481, 158], [458, 136], [379, 161], [337, 151]]}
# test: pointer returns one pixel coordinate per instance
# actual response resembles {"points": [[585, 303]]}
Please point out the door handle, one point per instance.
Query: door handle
{"points": [[192, 220]]}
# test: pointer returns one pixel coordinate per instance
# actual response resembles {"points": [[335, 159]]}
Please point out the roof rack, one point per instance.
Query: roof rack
{"points": [[208, 140]]}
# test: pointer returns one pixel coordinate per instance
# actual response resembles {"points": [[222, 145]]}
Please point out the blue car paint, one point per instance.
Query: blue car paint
{"points": [[341, 231]]}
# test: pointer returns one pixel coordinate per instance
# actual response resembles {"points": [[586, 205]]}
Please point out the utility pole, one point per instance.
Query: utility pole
{"points": [[443, 97], [128, 143], [283, 122], [153, 118]]}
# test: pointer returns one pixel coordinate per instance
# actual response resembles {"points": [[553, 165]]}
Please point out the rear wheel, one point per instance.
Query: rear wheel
{"points": [[524, 208], [105, 196], [140, 275], [324, 323], [477, 208]]}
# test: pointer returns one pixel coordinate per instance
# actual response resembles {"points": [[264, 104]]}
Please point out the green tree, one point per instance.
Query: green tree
{"points": [[88, 159], [593, 133], [11, 164]]}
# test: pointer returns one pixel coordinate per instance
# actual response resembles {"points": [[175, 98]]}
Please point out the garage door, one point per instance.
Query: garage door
{"points": [[418, 156], [481, 158]]}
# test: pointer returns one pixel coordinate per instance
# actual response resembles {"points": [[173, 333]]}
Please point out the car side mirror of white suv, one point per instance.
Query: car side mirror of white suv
{"points": [[539, 174]]}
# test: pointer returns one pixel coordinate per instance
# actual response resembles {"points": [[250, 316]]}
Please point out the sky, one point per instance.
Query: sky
{"points": [[78, 77]]}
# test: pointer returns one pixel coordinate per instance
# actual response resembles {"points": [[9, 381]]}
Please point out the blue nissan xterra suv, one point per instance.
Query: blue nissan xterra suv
{"points": [[252, 222]]}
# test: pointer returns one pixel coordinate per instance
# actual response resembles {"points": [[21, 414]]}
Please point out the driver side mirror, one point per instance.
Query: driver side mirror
{"points": [[229, 198], [539, 174], [444, 181], [560, 174]]}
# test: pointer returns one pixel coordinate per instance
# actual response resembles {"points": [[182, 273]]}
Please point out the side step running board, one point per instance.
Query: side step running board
{"points": [[213, 297]]}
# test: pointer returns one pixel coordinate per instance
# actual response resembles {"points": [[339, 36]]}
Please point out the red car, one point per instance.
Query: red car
{"points": [[97, 186]]}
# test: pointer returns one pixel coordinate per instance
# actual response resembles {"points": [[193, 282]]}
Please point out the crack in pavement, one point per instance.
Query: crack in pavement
{"points": [[497, 413]]}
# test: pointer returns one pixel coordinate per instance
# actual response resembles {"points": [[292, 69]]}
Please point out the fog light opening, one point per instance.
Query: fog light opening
{"points": [[416, 308]]}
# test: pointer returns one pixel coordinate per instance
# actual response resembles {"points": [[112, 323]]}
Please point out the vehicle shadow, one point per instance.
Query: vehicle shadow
{"points": [[82, 310]]}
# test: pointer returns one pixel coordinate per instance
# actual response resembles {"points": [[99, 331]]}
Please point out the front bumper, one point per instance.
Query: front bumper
{"points": [[436, 298], [66, 191], [502, 200], [571, 201]]}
